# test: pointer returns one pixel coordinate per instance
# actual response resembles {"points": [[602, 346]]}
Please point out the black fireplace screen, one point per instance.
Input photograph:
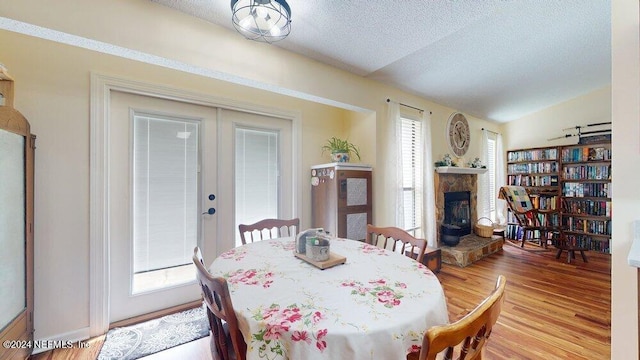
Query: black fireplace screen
{"points": [[457, 210]]}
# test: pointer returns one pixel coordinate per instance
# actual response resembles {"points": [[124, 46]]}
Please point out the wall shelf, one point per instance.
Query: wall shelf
{"points": [[459, 170]]}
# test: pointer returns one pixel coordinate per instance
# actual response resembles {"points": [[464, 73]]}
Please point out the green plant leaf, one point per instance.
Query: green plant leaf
{"points": [[335, 144]]}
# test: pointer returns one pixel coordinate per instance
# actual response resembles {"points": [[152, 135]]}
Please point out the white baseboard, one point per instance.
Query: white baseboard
{"points": [[61, 340]]}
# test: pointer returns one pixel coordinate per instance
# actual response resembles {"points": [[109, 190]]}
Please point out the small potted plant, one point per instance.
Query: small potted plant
{"points": [[340, 150]]}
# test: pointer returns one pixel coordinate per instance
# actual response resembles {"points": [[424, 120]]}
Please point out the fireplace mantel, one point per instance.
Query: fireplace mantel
{"points": [[459, 170]]}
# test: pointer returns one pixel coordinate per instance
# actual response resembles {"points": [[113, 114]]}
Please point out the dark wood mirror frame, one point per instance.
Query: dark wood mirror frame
{"points": [[19, 331]]}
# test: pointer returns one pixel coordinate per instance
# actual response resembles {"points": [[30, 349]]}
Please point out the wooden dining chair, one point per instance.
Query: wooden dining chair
{"points": [[226, 341], [465, 338], [268, 229], [392, 237]]}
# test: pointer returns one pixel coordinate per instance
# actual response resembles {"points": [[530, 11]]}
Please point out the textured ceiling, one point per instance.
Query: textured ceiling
{"points": [[493, 59]]}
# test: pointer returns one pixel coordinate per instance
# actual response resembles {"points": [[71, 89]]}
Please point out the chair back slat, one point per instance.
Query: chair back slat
{"points": [[392, 237], [268, 229]]}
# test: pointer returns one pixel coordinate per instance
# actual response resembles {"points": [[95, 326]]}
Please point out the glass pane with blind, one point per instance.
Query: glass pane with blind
{"points": [[491, 165], [412, 152], [165, 200], [12, 227], [257, 164], [489, 192]]}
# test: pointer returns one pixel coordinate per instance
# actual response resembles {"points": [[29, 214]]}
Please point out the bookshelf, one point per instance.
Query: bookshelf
{"points": [[585, 186], [538, 170], [574, 179]]}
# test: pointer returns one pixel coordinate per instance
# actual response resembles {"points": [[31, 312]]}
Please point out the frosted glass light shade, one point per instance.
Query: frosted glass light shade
{"points": [[262, 20]]}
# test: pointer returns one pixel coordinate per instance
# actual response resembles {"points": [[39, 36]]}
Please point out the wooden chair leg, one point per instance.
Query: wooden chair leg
{"points": [[584, 257], [570, 255]]}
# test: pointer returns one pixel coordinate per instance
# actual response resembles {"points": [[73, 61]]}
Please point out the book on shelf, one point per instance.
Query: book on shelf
{"points": [[586, 172], [577, 206], [532, 155], [578, 189], [528, 168], [544, 202], [586, 153], [532, 180], [595, 227]]}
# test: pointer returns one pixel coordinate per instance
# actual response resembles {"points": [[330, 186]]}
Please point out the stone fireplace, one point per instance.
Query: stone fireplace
{"points": [[456, 185]]}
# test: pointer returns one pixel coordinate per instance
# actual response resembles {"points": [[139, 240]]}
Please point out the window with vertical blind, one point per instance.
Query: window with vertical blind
{"points": [[257, 182], [412, 170], [490, 190]]}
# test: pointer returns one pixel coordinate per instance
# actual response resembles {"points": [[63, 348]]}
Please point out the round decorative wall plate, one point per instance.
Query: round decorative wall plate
{"points": [[458, 134]]}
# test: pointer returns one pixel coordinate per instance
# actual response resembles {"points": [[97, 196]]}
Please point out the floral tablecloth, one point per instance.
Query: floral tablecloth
{"points": [[375, 306]]}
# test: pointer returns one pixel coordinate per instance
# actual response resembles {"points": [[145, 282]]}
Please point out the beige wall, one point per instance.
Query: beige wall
{"points": [[52, 90], [536, 129]]}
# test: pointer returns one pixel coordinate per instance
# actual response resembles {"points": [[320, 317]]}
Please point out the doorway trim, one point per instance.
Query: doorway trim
{"points": [[100, 99]]}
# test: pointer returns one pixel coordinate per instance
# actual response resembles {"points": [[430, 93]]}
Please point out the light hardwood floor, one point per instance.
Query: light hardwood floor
{"points": [[552, 310]]}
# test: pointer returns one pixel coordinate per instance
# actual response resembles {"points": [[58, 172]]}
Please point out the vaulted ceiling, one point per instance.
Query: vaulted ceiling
{"points": [[493, 59]]}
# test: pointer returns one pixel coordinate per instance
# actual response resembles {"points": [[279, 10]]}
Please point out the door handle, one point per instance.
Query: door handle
{"points": [[211, 211]]}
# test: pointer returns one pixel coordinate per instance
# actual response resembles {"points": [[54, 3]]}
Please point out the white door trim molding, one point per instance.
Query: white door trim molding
{"points": [[101, 87]]}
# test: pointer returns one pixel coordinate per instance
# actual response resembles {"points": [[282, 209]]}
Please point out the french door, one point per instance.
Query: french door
{"points": [[262, 170], [182, 175], [155, 170]]}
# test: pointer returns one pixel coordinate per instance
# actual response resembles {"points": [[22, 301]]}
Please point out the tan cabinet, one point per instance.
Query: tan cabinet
{"points": [[16, 227], [341, 200]]}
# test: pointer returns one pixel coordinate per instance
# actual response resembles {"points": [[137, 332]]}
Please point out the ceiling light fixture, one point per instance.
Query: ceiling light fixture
{"points": [[262, 20]]}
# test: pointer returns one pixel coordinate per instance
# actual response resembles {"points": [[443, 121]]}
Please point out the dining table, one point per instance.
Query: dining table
{"points": [[377, 305]]}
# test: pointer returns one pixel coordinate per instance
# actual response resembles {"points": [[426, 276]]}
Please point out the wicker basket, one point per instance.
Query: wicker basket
{"points": [[485, 231]]}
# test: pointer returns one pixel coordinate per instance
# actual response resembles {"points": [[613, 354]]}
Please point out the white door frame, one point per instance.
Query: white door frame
{"points": [[101, 87]]}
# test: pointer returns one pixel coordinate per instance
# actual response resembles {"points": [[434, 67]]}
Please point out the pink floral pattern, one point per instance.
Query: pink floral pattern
{"points": [[290, 310], [277, 324], [413, 337], [236, 254], [425, 270], [285, 245], [252, 277], [383, 293], [372, 249]]}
